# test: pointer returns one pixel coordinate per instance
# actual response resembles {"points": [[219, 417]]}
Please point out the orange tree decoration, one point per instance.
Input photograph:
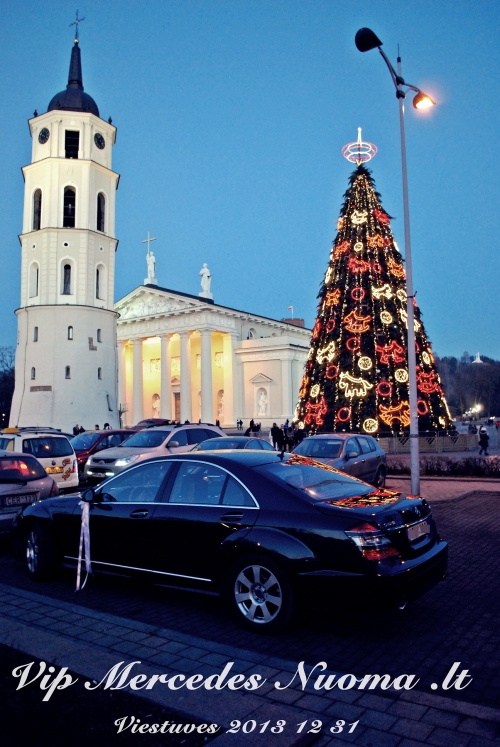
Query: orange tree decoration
{"points": [[364, 278]]}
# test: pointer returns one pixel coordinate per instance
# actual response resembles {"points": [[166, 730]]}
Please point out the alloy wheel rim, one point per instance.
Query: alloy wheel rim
{"points": [[258, 594], [32, 551]]}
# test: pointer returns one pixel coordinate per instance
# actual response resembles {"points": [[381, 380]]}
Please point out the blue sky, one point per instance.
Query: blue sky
{"points": [[231, 117]]}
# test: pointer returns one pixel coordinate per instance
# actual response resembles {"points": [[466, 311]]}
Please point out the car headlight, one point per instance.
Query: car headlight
{"points": [[126, 460]]}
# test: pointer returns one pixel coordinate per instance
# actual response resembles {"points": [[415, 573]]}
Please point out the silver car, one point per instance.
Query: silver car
{"points": [[23, 480], [358, 455], [150, 442]]}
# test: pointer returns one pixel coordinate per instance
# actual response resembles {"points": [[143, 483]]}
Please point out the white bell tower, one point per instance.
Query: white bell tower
{"points": [[66, 359]]}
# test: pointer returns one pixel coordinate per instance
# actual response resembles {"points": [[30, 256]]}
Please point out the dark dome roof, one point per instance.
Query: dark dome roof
{"points": [[74, 98]]}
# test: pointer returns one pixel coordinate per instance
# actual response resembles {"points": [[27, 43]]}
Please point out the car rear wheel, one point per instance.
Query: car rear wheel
{"points": [[260, 594], [379, 481], [39, 553]]}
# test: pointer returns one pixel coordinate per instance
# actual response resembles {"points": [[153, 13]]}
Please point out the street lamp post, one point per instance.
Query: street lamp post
{"points": [[366, 40]]}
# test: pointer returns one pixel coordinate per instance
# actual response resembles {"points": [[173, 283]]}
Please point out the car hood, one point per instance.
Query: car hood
{"points": [[122, 451]]}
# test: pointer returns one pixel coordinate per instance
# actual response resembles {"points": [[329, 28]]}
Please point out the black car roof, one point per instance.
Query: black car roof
{"points": [[226, 457]]}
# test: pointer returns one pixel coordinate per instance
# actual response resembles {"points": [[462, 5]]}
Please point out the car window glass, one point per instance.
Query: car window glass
{"points": [[26, 468], [198, 483], [326, 448], [220, 443], [211, 434], [114, 439], [147, 439], [179, 436], [266, 446], [84, 441], [6, 443], [48, 446], [196, 435], [137, 485], [372, 444], [319, 482], [253, 443], [236, 495], [352, 445], [365, 444]]}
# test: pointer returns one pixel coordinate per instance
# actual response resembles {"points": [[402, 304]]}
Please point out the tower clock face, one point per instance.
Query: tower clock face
{"points": [[43, 136], [99, 140]]}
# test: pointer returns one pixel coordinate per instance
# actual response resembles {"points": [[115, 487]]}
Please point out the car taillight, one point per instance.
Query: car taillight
{"points": [[54, 489], [373, 544], [75, 465]]}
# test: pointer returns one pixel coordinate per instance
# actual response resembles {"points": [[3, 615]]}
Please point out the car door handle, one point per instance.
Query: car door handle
{"points": [[139, 514], [232, 517]]}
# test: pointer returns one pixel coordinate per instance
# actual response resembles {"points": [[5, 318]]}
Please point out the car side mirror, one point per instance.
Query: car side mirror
{"points": [[352, 455], [172, 445], [87, 495]]}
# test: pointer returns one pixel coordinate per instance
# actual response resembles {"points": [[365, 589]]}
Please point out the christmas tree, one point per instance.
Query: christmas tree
{"points": [[356, 375]]}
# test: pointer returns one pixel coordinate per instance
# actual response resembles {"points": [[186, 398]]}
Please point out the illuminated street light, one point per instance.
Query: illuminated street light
{"points": [[365, 41]]}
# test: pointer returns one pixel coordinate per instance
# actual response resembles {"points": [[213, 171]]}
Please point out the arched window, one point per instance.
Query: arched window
{"points": [[101, 207], [34, 277], [32, 374], [70, 333], [99, 336], [37, 210], [67, 280], [97, 283], [99, 373], [69, 208], [67, 372], [35, 334]]}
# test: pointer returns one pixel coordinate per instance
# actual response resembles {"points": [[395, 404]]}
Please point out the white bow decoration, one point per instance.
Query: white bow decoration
{"points": [[84, 540]]}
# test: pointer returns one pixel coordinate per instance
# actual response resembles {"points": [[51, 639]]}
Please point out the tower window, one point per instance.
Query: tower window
{"points": [[72, 143], [70, 333], [67, 372], [33, 374], [101, 207], [97, 283], [67, 280], [99, 337], [34, 276], [69, 208], [99, 373], [35, 334], [37, 210]]}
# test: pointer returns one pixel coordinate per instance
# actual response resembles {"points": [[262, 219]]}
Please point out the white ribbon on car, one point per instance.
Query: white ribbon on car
{"points": [[84, 541]]}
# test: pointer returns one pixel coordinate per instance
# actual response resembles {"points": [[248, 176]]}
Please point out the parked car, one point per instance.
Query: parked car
{"points": [[52, 449], [149, 423], [234, 442], [147, 443], [358, 455], [90, 442], [23, 480], [266, 529]]}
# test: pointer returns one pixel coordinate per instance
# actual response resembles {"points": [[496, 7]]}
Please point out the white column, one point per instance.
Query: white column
{"points": [[207, 408], [286, 388], [137, 407], [122, 380], [165, 378], [186, 407], [229, 344]]}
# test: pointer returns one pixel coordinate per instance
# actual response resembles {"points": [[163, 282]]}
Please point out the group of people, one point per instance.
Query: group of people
{"points": [[286, 436], [80, 429]]}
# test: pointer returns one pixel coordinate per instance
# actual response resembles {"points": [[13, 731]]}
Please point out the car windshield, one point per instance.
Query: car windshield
{"points": [[221, 443], [317, 480], [147, 439], [326, 448], [47, 446], [16, 468], [84, 441]]}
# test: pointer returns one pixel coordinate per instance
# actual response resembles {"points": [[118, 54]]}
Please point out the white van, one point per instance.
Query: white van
{"points": [[53, 451]]}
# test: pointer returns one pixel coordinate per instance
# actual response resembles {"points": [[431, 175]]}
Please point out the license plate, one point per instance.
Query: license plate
{"points": [[53, 470], [18, 500], [418, 530], [97, 474]]}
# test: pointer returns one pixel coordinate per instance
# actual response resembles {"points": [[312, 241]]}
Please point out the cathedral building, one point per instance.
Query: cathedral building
{"points": [[80, 357]]}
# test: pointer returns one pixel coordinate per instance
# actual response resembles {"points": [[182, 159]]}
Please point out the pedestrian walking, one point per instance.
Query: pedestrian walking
{"points": [[483, 441], [276, 435]]}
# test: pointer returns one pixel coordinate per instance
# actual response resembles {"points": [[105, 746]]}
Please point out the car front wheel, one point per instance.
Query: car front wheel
{"points": [[260, 594], [379, 481], [39, 553]]}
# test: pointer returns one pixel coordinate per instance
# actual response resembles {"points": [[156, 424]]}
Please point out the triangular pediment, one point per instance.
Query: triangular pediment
{"points": [[260, 378], [146, 302]]}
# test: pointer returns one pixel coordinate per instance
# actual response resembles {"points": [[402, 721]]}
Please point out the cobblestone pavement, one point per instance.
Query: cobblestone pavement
{"points": [[444, 488], [180, 631]]}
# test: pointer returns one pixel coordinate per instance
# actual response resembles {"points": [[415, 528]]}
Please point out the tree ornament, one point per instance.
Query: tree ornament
{"points": [[386, 317], [426, 382], [354, 387], [381, 216], [422, 407], [316, 412], [384, 290], [332, 298], [327, 352], [358, 293], [303, 386], [338, 251], [370, 425], [399, 412], [315, 390], [343, 414], [392, 351], [359, 217], [426, 357], [340, 224], [330, 325], [329, 275], [365, 363], [401, 295], [356, 323], [384, 389], [375, 241], [401, 375], [331, 372], [395, 269], [353, 344], [358, 246], [358, 265], [316, 329]]}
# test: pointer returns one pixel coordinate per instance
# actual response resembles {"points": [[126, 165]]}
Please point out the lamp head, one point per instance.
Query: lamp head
{"points": [[423, 101], [365, 40]]}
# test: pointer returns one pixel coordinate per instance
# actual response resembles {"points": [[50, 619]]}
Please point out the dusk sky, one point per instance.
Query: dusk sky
{"points": [[231, 118]]}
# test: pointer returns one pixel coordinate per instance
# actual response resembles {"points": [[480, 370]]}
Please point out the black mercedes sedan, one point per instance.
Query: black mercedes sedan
{"points": [[269, 531]]}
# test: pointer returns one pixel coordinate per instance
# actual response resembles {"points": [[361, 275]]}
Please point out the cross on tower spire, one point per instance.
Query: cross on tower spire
{"points": [[75, 24]]}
